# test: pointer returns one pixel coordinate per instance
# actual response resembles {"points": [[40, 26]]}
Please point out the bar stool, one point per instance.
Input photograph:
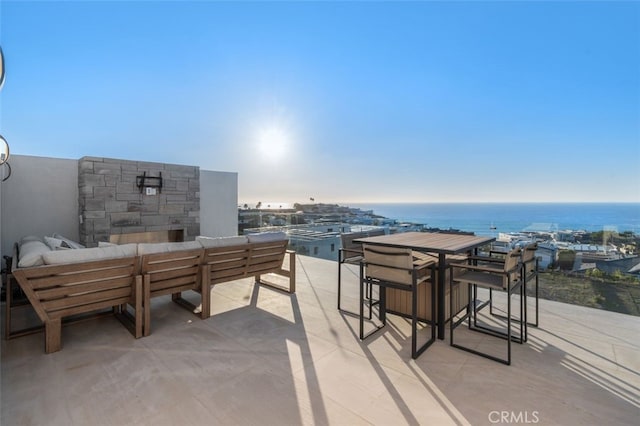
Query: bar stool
{"points": [[397, 268], [505, 277]]}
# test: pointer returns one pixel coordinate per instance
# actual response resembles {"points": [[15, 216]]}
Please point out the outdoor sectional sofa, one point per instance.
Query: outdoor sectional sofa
{"points": [[65, 283]]}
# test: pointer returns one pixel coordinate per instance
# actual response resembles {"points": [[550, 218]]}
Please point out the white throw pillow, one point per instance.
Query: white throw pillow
{"points": [[56, 243], [28, 238], [71, 243], [30, 253]]}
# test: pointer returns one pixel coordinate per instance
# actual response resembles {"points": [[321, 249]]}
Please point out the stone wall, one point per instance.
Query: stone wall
{"points": [[110, 201]]}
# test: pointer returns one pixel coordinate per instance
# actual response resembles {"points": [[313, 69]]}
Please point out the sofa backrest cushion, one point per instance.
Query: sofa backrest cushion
{"points": [[150, 248], [89, 254], [267, 237], [209, 242], [30, 252]]}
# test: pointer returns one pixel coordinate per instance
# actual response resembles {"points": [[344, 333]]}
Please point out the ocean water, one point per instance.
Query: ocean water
{"points": [[491, 218]]}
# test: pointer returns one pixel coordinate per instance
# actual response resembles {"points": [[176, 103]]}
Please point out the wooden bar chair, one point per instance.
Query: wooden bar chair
{"points": [[505, 276], [397, 268]]}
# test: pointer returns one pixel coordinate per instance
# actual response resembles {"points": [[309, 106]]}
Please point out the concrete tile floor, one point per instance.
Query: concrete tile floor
{"points": [[269, 358]]}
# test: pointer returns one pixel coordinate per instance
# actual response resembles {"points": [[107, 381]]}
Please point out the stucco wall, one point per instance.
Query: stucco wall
{"points": [[40, 198], [218, 199]]}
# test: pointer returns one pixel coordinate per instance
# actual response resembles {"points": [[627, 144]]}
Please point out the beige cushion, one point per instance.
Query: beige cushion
{"points": [[31, 252], [29, 238], [208, 242], [106, 244], [267, 237], [150, 248], [389, 264], [89, 254]]}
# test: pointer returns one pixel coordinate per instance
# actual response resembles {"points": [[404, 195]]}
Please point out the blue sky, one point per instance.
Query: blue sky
{"points": [[340, 101]]}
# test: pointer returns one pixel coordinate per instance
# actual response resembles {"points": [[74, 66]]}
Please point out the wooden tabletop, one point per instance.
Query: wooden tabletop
{"points": [[429, 241]]}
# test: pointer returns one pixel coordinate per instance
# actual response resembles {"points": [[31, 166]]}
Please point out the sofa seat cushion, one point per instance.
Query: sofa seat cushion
{"points": [[150, 248], [210, 242], [89, 254]]}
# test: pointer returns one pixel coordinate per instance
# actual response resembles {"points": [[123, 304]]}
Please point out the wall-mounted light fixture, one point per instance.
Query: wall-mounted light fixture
{"points": [[5, 172], [1, 68], [4, 145], [145, 181], [4, 150]]}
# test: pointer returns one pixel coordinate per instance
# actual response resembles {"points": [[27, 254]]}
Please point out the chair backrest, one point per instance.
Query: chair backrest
{"points": [[511, 262], [529, 259], [346, 240], [353, 250], [375, 232], [389, 264]]}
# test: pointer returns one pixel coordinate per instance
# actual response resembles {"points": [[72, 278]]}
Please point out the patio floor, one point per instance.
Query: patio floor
{"points": [[270, 358]]}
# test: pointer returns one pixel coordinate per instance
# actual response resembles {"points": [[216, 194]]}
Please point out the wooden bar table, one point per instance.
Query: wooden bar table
{"points": [[442, 244]]}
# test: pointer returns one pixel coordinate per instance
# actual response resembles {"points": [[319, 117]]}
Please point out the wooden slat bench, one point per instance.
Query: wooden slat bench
{"points": [[180, 267], [58, 291], [172, 271], [253, 259]]}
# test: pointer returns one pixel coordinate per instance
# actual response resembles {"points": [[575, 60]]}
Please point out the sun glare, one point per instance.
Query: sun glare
{"points": [[273, 143]]}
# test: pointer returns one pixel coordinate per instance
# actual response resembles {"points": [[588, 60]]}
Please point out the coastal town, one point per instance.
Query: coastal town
{"points": [[314, 229]]}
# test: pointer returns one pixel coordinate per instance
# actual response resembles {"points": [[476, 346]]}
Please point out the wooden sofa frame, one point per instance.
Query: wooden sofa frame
{"points": [[170, 273], [65, 290], [200, 269], [61, 291]]}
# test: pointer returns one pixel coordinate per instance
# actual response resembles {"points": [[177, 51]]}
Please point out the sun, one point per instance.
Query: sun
{"points": [[273, 143]]}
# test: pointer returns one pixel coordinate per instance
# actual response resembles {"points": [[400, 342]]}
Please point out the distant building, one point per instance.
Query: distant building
{"points": [[592, 253], [320, 240], [547, 254], [628, 265]]}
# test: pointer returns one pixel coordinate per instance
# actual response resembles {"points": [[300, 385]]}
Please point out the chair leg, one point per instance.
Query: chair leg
{"points": [[415, 350], [526, 306], [454, 324], [475, 306], [414, 321], [146, 305], [535, 324], [509, 327], [523, 314], [368, 293], [361, 304], [526, 313], [522, 336], [364, 282], [383, 317], [339, 283], [433, 304], [52, 335]]}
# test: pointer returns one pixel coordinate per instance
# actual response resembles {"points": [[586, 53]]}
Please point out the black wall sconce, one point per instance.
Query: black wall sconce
{"points": [[1, 68], [145, 181], [4, 145]]}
